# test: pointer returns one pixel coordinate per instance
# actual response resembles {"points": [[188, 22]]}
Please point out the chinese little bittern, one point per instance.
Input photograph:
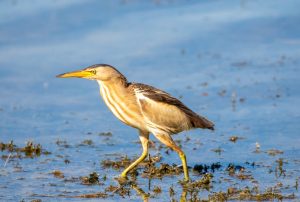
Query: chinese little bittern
{"points": [[145, 108]]}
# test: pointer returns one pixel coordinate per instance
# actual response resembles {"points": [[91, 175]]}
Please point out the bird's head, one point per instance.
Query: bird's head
{"points": [[100, 72]]}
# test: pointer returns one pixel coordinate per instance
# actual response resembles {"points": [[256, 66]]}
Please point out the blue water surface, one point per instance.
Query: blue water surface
{"points": [[235, 62]]}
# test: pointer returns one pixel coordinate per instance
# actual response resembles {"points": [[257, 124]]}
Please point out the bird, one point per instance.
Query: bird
{"points": [[145, 108]]}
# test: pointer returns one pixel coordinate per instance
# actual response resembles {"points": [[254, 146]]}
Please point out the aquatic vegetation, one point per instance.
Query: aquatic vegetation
{"points": [[171, 191], [87, 142], [161, 171], [105, 134], [279, 170], [92, 179], [203, 168], [231, 168], [235, 138], [203, 183], [118, 164], [218, 150], [29, 150], [157, 189], [9, 146], [62, 143], [247, 194], [58, 174], [92, 195], [274, 152]]}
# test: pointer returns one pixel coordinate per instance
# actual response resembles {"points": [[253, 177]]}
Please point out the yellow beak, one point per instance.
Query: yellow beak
{"points": [[77, 74]]}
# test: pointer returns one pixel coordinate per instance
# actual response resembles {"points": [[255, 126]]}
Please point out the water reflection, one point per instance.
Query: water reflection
{"points": [[146, 196]]}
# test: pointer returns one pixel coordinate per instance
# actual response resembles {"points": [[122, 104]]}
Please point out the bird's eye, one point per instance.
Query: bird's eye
{"points": [[93, 71]]}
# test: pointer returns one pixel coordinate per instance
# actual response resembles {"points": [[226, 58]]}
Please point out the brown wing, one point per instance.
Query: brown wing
{"points": [[164, 103]]}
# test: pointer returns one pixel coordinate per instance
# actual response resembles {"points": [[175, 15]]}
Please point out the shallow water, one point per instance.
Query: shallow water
{"points": [[235, 62]]}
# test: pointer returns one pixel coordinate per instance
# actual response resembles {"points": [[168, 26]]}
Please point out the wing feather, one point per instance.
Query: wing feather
{"points": [[163, 110]]}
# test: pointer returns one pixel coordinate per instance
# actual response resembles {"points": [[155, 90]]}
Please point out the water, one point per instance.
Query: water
{"points": [[235, 62]]}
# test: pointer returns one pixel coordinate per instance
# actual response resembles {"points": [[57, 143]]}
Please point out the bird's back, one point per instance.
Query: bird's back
{"points": [[165, 112]]}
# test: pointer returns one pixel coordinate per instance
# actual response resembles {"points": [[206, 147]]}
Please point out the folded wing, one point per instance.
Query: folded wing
{"points": [[164, 112]]}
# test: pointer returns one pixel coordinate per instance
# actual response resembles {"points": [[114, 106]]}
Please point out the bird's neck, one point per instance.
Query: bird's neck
{"points": [[117, 84]]}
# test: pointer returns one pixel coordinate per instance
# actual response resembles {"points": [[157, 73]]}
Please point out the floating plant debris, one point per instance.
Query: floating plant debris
{"points": [[36, 200], [234, 138], [58, 174], [111, 188], [121, 163], [120, 190], [92, 179], [163, 170], [29, 150], [203, 183], [124, 161], [157, 189], [67, 161], [274, 152], [93, 195], [218, 150], [62, 143], [106, 134], [243, 176], [86, 143], [171, 191], [231, 168], [279, 170], [203, 168], [248, 194], [9, 146]]}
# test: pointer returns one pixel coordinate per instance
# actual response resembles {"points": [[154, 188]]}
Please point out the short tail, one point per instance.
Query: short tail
{"points": [[198, 121]]}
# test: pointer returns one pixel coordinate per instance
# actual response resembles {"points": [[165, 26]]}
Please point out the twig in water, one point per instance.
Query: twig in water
{"points": [[7, 160]]}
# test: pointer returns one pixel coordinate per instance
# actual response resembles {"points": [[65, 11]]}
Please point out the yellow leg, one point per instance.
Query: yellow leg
{"points": [[184, 165], [167, 140], [144, 137], [129, 168]]}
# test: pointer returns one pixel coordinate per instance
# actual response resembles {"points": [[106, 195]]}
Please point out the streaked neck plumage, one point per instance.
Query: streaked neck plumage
{"points": [[121, 100]]}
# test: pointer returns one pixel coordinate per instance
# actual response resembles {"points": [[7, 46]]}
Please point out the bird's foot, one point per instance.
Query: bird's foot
{"points": [[123, 180], [185, 182]]}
